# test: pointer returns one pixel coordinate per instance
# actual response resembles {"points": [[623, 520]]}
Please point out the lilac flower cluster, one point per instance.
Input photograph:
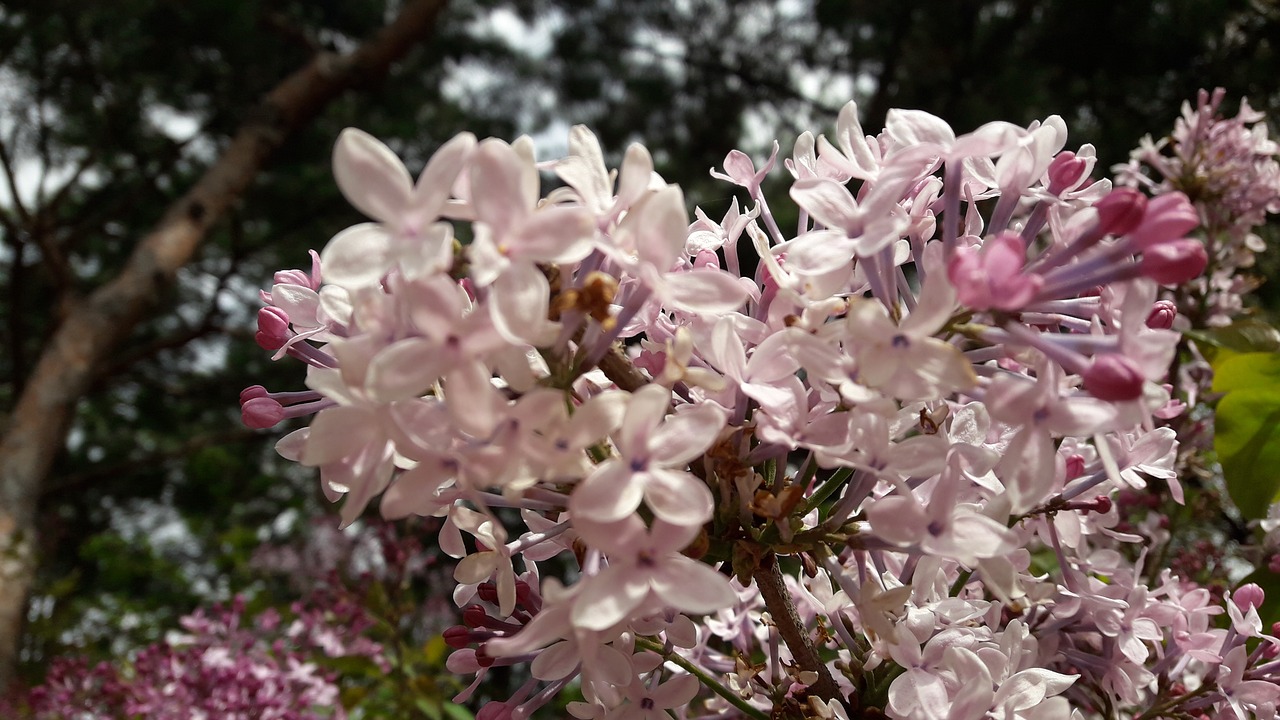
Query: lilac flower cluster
{"points": [[870, 470], [220, 668], [1228, 168]]}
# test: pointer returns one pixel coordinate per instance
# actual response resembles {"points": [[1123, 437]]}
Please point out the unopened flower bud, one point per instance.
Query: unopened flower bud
{"points": [[1162, 315], [273, 328], [1065, 171], [1075, 466], [1176, 262], [1168, 217], [261, 412], [1248, 596], [1269, 650], [1102, 504], [487, 591], [474, 616], [1114, 378], [457, 637], [527, 597], [251, 392], [1121, 211]]}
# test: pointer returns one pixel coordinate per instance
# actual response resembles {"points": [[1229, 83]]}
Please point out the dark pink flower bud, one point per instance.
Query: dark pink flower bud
{"points": [[1065, 171], [475, 616], [527, 597], [1113, 377], [251, 392], [1168, 217], [1248, 596], [1162, 315], [487, 591], [1274, 563], [1121, 211], [273, 328], [458, 637], [261, 412], [1175, 262], [1102, 504], [1075, 466]]}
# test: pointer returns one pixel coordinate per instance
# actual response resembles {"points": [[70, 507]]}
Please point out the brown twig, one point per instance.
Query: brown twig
{"points": [[617, 367], [773, 589]]}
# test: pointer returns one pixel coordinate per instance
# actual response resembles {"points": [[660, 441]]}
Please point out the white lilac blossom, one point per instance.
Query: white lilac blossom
{"points": [[923, 399]]}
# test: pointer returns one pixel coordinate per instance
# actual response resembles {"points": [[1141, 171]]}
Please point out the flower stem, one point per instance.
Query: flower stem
{"points": [[768, 577], [824, 491], [703, 677], [1156, 711]]}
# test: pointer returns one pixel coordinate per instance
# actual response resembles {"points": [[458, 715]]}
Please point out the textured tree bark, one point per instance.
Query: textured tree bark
{"points": [[777, 599], [36, 431]]}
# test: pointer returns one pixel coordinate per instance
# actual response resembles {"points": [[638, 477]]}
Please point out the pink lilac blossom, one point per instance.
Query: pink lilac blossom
{"points": [[222, 665], [878, 470]]}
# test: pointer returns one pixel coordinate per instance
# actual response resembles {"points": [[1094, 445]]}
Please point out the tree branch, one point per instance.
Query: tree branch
{"points": [[95, 328], [768, 578], [17, 306]]}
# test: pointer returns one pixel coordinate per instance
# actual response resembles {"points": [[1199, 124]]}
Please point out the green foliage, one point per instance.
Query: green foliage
{"points": [[1247, 429], [1249, 335]]}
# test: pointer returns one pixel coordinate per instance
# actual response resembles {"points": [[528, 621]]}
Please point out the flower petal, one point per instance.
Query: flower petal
{"points": [[690, 586], [358, 256], [608, 598], [370, 176], [678, 497]]}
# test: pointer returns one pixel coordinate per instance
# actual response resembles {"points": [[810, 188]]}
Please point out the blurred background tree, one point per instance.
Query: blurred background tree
{"points": [[154, 499]]}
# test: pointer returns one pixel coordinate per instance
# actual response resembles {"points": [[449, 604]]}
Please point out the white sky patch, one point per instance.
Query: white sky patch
{"points": [[17, 124], [534, 40], [174, 124]]}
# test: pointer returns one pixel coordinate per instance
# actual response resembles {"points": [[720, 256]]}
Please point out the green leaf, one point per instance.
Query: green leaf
{"points": [[457, 712], [1247, 371], [428, 707], [1245, 336], [435, 651], [1247, 440]]}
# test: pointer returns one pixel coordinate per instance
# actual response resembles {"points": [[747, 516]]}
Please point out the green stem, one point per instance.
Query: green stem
{"points": [[703, 677], [826, 490]]}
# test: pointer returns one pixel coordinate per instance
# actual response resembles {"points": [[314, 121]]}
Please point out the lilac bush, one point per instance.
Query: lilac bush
{"points": [[224, 665], [874, 464]]}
